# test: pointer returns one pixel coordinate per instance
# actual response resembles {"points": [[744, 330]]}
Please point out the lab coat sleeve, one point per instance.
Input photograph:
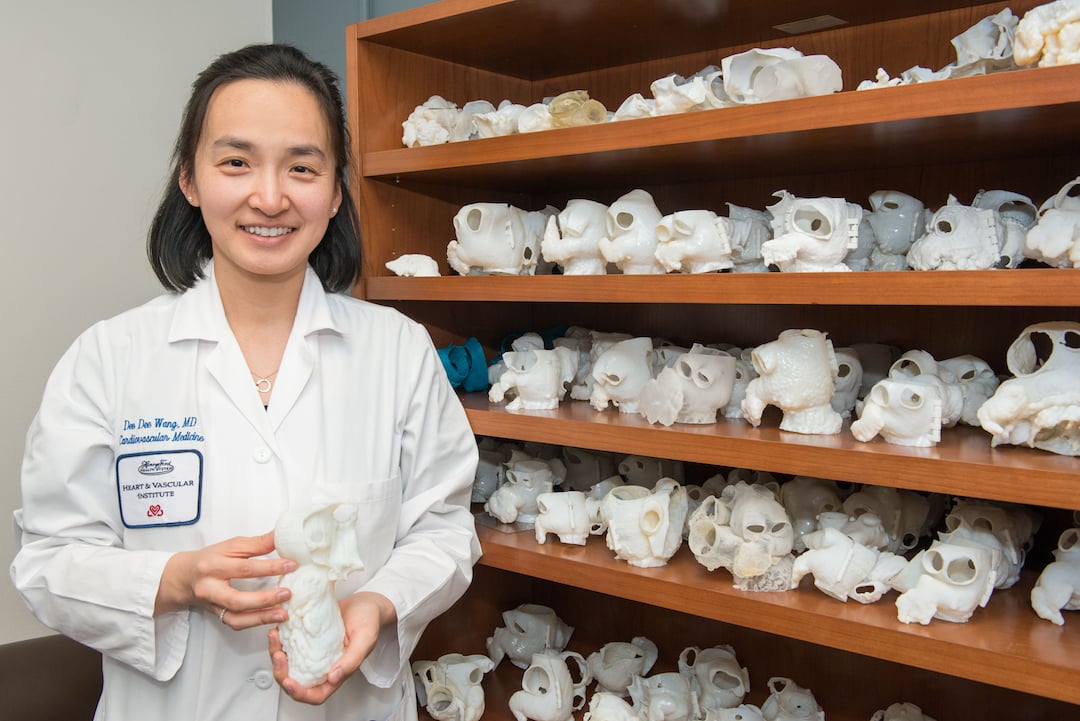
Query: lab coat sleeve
{"points": [[72, 570], [436, 546]]}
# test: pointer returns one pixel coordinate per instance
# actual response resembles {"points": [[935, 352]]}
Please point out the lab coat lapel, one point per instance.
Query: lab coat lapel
{"points": [[200, 315], [312, 316]]}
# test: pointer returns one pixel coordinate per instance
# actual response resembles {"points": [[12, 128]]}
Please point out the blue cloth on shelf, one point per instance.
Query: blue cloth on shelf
{"points": [[465, 365]]}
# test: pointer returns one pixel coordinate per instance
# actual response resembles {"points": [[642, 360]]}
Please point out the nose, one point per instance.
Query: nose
{"points": [[268, 194]]}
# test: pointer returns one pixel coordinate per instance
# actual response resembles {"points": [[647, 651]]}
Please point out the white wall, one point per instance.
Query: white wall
{"points": [[90, 102]]}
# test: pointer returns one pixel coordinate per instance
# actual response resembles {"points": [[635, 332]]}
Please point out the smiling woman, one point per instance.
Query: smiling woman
{"points": [[264, 179], [172, 438]]}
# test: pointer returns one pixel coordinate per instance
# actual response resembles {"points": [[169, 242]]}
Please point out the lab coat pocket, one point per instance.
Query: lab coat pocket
{"points": [[378, 507], [363, 492]]}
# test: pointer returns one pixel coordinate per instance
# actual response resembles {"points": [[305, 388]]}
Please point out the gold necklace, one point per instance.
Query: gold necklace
{"points": [[264, 384]]}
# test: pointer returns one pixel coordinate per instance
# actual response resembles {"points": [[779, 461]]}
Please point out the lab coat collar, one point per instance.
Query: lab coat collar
{"points": [[200, 316]]}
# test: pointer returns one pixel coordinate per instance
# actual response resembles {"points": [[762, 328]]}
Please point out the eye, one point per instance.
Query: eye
{"points": [[235, 163]]}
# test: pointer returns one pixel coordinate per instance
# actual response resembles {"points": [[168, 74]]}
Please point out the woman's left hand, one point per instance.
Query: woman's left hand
{"points": [[364, 614]]}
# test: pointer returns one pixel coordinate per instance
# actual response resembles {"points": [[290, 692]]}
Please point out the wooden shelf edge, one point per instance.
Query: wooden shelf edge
{"points": [[964, 464], [1004, 644], [1057, 287], [1019, 90]]}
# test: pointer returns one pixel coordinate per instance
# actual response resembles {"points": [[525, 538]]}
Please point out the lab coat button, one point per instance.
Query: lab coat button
{"points": [[262, 454], [263, 679]]}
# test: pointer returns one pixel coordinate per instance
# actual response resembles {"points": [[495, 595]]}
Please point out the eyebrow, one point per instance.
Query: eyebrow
{"points": [[229, 141]]}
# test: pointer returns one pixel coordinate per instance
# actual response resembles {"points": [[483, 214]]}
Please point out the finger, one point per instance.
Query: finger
{"points": [[256, 567], [314, 695], [247, 546], [240, 620]]}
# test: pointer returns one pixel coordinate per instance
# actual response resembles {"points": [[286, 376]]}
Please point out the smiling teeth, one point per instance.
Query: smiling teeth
{"points": [[266, 232]]}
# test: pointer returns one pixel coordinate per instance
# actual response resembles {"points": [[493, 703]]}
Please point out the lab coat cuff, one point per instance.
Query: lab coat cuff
{"points": [[162, 640], [170, 643], [383, 665]]}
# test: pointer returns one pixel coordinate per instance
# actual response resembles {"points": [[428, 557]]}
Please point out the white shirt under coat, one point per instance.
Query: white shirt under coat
{"points": [[361, 411]]}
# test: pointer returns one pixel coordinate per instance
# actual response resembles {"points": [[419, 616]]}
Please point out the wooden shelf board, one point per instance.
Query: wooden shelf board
{"points": [[955, 120], [1056, 287], [963, 464], [1004, 644], [539, 39]]}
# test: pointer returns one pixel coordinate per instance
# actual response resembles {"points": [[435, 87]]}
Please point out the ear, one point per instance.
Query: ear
{"points": [[337, 201], [187, 187]]}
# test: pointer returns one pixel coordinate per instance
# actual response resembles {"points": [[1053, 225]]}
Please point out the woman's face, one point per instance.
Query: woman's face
{"points": [[264, 178]]}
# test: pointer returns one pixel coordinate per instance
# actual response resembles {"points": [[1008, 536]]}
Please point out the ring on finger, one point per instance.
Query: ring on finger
{"points": [[221, 616]]}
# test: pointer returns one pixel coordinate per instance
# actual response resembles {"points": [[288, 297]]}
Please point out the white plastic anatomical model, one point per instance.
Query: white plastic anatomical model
{"points": [[847, 382], [747, 532], [430, 123], [694, 241], [631, 238], [585, 468], [1040, 406], [538, 379], [804, 497], [322, 541], [496, 239], [450, 688], [663, 697], [644, 528], [987, 46], [1058, 587], [548, 690], [946, 581], [647, 471], [570, 515], [499, 122], [620, 373], [902, 515], [697, 385], [795, 373], [1008, 531], [414, 265], [675, 94], [977, 382], [529, 629], [749, 229], [761, 75], [607, 706], [900, 712], [1049, 34], [516, 500], [572, 238], [962, 237], [716, 679], [615, 664], [1055, 238], [790, 702], [811, 234], [843, 568], [744, 373], [905, 412], [915, 363], [897, 219]]}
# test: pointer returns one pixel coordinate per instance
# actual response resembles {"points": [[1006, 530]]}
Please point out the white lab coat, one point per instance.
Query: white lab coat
{"points": [[361, 411]]}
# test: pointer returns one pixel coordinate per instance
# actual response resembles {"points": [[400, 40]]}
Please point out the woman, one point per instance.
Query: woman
{"points": [[171, 438]]}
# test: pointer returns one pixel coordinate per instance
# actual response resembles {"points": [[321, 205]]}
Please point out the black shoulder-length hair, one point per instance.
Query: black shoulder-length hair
{"points": [[178, 243]]}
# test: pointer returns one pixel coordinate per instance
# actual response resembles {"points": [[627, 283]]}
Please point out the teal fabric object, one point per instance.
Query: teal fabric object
{"points": [[465, 365]]}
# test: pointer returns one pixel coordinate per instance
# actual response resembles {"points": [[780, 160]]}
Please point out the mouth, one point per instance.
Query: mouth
{"points": [[267, 232]]}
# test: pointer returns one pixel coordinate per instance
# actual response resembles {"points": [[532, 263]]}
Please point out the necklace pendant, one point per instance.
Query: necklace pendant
{"points": [[263, 385]]}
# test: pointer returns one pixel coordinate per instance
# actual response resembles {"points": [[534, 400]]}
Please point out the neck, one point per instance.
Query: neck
{"points": [[260, 311]]}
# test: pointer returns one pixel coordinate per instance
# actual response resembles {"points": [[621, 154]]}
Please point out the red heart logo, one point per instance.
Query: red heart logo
{"points": [[155, 510]]}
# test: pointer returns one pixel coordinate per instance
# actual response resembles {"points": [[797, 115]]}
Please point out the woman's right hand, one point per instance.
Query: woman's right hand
{"points": [[202, 578]]}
